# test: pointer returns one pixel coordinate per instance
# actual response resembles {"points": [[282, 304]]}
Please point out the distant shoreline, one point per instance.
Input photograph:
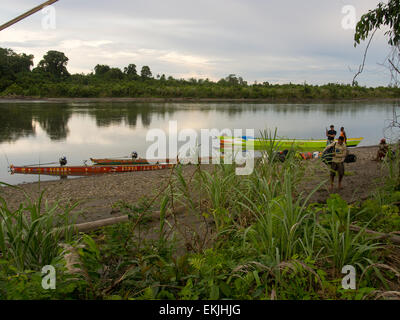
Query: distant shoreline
{"points": [[14, 99]]}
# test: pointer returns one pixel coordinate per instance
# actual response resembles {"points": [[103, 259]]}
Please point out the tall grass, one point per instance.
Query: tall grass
{"points": [[30, 235], [267, 216]]}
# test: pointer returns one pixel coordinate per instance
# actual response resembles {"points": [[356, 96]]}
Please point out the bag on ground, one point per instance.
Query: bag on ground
{"points": [[350, 158]]}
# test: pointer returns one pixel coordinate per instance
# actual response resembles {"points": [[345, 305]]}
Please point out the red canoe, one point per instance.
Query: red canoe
{"points": [[84, 170]]}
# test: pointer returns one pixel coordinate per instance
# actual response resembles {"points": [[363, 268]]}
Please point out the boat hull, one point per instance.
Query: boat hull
{"points": [[87, 170], [299, 144]]}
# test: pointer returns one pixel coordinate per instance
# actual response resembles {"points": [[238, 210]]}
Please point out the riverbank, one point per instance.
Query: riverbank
{"points": [[21, 99], [212, 228], [98, 195]]}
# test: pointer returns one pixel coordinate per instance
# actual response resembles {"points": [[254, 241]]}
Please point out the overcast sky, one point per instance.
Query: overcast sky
{"points": [[276, 41]]}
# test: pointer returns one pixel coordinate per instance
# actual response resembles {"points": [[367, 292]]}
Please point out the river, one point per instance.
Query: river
{"points": [[41, 132]]}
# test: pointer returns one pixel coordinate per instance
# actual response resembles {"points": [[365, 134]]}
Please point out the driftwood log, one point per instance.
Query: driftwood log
{"points": [[93, 225]]}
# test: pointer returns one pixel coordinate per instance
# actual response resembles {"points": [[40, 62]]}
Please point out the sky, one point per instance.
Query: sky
{"points": [[260, 40]]}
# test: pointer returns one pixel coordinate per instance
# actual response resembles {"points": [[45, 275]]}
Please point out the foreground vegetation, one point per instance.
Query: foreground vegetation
{"points": [[248, 237], [52, 79]]}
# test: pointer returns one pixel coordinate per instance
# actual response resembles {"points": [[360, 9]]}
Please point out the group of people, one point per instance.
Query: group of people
{"points": [[331, 134], [339, 153]]}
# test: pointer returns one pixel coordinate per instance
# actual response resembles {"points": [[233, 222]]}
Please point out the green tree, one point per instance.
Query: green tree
{"points": [[145, 73], [114, 73], [101, 69], [12, 63], [55, 63], [130, 70], [386, 14]]}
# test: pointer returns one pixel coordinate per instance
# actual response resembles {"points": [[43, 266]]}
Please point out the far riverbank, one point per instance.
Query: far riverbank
{"points": [[21, 99]]}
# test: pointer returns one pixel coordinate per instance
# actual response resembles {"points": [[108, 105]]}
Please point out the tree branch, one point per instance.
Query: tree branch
{"points": [[361, 68], [394, 67]]}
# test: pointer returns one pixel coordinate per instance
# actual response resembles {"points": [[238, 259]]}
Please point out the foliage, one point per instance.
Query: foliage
{"points": [[30, 235], [12, 63], [51, 79], [54, 63], [145, 73], [386, 14]]}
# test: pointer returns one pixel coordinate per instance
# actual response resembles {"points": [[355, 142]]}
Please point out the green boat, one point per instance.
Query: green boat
{"points": [[281, 144]]}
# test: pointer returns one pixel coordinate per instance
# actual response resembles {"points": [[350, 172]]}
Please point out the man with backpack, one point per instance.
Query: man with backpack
{"points": [[339, 152]]}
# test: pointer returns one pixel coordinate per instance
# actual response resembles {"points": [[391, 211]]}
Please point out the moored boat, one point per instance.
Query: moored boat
{"points": [[300, 144], [87, 170], [115, 161]]}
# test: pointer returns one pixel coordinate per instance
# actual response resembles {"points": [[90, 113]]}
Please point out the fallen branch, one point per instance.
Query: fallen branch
{"points": [[93, 225]]}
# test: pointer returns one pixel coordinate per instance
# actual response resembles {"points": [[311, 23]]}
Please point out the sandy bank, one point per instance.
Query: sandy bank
{"points": [[98, 194]]}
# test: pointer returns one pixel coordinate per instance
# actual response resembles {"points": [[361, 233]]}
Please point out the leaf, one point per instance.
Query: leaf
{"points": [[214, 294], [225, 289]]}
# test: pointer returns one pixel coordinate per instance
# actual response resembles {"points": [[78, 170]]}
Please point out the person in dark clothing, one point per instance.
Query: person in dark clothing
{"points": [[331, 134], [383, 150]]}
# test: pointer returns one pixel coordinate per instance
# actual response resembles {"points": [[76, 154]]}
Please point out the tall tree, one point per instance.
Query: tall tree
{"points": [[130, 70], [55, 63], [12, 63], [101, 69], [145, 73], [114, 73]]}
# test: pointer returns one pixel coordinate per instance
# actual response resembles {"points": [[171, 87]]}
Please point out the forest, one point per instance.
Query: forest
{"points": [[51, 79]]}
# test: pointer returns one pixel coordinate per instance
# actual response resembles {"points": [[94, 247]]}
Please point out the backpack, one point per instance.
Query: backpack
{"points": [[327, 155], [350, 158], [306, 155], [282, 155]]}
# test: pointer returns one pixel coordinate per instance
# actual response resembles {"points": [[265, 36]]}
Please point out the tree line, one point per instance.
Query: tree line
{"points": [[50, 78]]}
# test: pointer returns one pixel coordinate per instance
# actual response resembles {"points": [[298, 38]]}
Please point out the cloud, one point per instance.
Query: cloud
{"points": [[260, 40], [77, 43]]}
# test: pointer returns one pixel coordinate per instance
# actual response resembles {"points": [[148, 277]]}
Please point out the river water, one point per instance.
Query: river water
{"points": [[42, 132]]}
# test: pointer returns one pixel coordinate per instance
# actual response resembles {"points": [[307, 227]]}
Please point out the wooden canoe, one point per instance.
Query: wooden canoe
{"points": [[87, 170], [111, 161]]}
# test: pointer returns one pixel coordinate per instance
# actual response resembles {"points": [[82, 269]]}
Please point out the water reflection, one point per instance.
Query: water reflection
{"points": [[53, 120], [15, 123], [18, 120]]}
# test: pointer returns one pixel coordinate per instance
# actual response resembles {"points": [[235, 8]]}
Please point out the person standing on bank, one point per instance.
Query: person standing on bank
{"points": [[337, 165], [331, 134], [343, 134]]}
